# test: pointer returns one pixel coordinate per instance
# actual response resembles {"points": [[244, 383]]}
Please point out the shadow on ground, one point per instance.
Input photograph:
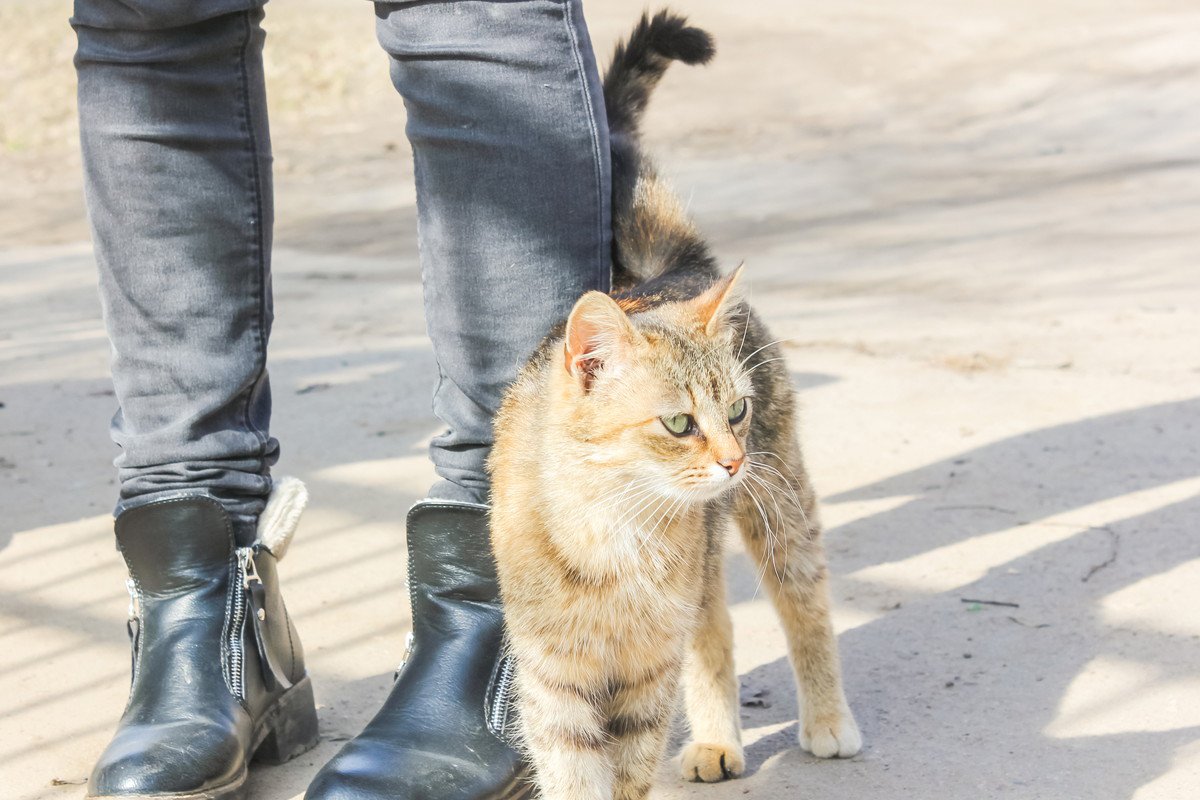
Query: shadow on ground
{"points": [[1000, 675]]}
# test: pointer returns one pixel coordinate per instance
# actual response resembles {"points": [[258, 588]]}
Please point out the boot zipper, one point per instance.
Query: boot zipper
{"points": [[408, 648], [500, 702], [409, 640], [246, 574], [134, 626]]}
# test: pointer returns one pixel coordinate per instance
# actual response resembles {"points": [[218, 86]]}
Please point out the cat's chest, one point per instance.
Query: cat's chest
{"points": [[626, 582], [656, 552], [629, 624], [645, 601]]}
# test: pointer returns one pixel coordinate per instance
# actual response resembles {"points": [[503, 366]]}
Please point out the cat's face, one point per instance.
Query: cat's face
{"points": [[663, 402]]}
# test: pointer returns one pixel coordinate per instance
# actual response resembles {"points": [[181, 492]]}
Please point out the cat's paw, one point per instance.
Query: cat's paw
{"points": [[709, 763], [831, 736]]}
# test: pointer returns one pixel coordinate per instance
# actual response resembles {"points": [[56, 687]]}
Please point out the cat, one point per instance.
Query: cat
{"points": [[642, 426]]}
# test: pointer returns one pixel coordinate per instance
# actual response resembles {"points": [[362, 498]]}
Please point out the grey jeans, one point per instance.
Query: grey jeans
{"points": [[510, 144]]}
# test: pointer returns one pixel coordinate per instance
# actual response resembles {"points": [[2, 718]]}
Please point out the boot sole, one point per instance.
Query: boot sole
{"points": [[287, 729]]}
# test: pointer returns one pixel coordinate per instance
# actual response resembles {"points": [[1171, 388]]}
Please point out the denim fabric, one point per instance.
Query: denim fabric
{"points": [[177, 169], [510, 148], [506, 121]]}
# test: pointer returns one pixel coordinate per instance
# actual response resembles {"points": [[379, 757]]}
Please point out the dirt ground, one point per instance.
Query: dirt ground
{"points": [[977, 223]]}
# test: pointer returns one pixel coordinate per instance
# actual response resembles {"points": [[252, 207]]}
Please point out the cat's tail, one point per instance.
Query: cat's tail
{"points": [[640, 62], [652, 233]]}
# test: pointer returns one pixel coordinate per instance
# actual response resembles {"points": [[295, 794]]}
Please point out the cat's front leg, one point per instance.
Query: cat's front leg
{"points": [[711, 689], [639, 718], [563, 730], [783, 536]]}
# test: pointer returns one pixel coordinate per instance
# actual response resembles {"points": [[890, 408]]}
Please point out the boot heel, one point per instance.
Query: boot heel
{"points": [[291, 725]]}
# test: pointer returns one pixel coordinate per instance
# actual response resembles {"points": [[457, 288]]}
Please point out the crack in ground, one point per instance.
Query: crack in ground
{"points": [[1115, 542]]}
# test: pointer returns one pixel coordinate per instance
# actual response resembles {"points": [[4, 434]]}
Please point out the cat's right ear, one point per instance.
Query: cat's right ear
{"points": [[599, 336]]}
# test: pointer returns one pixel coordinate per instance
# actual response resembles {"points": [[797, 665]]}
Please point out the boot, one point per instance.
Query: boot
{"points": [[218, 673], [444, 732]]}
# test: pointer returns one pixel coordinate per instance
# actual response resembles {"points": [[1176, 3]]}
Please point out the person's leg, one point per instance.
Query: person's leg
{"points": [[510, 144], [177, 166], [510, 147]]}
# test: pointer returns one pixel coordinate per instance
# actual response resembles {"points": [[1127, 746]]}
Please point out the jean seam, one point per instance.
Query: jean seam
{"points": [[259, 244], [603, 280]]}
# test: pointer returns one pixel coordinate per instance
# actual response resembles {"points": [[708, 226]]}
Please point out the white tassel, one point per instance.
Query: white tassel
{"points": [[278, 521]]}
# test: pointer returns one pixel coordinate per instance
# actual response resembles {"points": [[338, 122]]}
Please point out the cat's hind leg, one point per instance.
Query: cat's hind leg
{"points": [[710, 680], [777, 513]]}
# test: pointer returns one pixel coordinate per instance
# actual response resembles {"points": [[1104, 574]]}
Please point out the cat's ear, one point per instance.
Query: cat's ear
{"points": [[718, 302], [599, 336]]}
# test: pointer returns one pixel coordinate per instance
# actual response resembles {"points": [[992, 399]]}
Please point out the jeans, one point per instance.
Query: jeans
{"points": [[510, 146]]}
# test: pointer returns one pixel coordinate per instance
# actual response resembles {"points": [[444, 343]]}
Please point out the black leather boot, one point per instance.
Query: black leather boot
{"points": [[442, 733], [218, 673]]}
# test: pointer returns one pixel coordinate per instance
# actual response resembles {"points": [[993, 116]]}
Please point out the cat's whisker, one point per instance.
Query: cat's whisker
{"points": [[640, 531], [676, 507], [751, 475], [684, 501], [628, 508], [617, 496], [793, 482], [771, 454], [781, 460], [647, 536], [772, 537], [766, 487], [654, 530], [765, 346], [636, 503], [663, 522], [763, 363], [762, 574], [762, 571], [628, 521], [787, 485], [781, 539], [646, 497]]}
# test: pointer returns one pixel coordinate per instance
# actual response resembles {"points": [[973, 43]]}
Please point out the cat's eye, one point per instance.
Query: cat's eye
{"points": [[679, 424], [737, 410]]}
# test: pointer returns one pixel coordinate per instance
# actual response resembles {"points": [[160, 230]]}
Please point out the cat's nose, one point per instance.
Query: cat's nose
{"points": [[732, 465]]}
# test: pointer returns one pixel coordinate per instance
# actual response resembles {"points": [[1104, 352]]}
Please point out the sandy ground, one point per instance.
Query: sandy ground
{"points": [[976, 222]]}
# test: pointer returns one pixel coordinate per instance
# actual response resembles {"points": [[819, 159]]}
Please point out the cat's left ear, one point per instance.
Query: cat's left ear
{"points": [[715, 306]]}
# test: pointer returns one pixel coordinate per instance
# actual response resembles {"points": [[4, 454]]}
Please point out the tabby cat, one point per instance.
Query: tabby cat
{"points": [[642, 427]]}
